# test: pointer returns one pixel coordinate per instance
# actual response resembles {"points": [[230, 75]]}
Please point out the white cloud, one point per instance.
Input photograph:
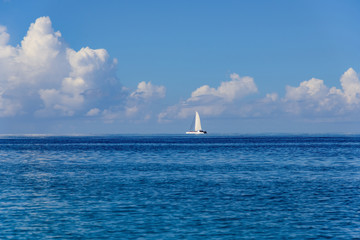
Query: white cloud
{"points": [[91, 72], [212, 101], [41, 45], [138, 102], [313, 97], [148, 91], [130, 111], [43, 77], [93, 112], [4, 36], [271, 97], [238, 87], [312, 89], [8, 108], [351, 86]]}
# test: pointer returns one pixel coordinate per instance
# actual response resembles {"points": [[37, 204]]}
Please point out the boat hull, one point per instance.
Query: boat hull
{"points": [[196, 132]]}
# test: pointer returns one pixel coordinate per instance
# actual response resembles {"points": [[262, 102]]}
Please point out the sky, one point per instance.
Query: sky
{"points": [[122, 67]]}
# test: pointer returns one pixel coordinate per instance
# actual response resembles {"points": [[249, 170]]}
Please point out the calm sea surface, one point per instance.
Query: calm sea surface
{"points": [[180, 187]]}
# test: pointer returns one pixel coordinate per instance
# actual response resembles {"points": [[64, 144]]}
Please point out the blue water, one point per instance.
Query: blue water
{"points": [[180, 187]]}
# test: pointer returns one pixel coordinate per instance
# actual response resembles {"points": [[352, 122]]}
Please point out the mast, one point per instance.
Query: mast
{"points": [[197, 122]]}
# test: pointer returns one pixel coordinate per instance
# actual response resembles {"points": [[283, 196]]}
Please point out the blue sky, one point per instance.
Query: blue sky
{"points": [[146, 66]]}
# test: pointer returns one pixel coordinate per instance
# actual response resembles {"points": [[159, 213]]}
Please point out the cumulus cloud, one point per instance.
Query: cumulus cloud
{"points": [[312, 89], [271, 97], [8, 108], [93, 112], [237, 87], [91, 73], [212, 101], [43, 77], [313, 97], [311, 100], [351, 87], [4, 36], [139, 100], [148, 91], [41, 45]]}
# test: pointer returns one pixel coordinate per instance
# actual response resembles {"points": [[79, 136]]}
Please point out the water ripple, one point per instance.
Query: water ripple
{"points": [[171, 187]]}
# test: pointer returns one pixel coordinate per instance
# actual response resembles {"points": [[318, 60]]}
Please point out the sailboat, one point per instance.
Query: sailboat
{"points": [[197, 129]]}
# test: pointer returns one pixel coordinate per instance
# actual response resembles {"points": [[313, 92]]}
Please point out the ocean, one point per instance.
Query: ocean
{"points": [[179, 187]]}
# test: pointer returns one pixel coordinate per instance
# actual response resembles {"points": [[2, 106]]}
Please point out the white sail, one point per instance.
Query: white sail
{"points": [[198, 129], [197, 122]]}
